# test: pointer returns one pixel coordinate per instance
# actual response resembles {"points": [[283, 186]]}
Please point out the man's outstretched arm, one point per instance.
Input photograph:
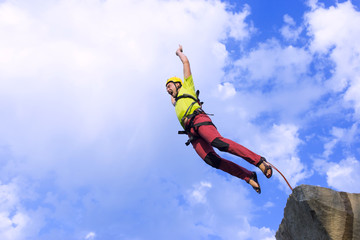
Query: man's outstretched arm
{"points": [[185, 61]]}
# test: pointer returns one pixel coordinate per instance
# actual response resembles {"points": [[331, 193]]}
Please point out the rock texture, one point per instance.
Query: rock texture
{"points": [[318, 213]]}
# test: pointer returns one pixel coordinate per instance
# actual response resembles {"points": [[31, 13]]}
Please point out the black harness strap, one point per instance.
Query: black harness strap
{"points": [[187, 110], [186, 96], [196, 100], [192, 116], [196, 126]]}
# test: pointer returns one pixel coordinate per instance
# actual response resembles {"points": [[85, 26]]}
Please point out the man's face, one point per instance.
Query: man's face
{"points": [[171, 89]]}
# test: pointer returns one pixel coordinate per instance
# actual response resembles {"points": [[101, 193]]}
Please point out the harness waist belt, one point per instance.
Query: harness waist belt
{"points": [[196, 126]]}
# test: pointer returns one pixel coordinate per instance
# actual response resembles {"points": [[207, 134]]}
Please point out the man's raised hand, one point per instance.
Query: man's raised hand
{"points": [[179, 50]]}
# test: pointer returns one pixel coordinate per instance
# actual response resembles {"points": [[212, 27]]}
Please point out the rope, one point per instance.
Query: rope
{"points": [[282, 176]]}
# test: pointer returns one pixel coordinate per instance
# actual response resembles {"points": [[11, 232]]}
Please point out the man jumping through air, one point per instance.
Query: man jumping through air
{"points": [[202, 133]]}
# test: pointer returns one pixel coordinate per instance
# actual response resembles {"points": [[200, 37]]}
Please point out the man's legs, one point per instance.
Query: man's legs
{"points": [[207, 153], [211, 135]]}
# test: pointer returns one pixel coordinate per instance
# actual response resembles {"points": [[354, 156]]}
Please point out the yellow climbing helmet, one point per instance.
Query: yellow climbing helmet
{"points": [[174, 80]]}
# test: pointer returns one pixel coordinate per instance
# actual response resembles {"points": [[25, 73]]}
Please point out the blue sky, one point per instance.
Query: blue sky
{"points": [[88, 141]]}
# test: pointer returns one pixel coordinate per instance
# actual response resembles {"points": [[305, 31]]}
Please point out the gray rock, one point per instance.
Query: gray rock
{"points": [[318, 213]]}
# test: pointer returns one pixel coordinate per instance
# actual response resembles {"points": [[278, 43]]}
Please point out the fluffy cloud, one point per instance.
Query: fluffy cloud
{"points": [[344, 176], [281, 145], [290, 31], [286, 87], [226, 90], [286, 64], [16, 221], [90, 236], [275, 78], [75, 73], [333, 31], [253, 233], [346, 136], [239, 29], [227, 202], [198, 194], [82, 96], [352, 97]]}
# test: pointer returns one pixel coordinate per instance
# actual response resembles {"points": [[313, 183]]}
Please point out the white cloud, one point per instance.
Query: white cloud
{"points": [[340, 174], [90, 236], [290, 87], [274, 79], [284, 63], [226, 90], [346, 136], [338, 133], [198, 194], [335, 26], [289, 31], [269, 205], [253, 233], [352, 95], [344, 175], [220, 53], [239, 29], [281, 145], [96, 73], [17, 222], [82, 96], [225, 209], [333, 31]]}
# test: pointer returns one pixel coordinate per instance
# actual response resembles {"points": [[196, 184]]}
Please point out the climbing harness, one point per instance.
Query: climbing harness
{"points": [[190, 124], [196, 100]]}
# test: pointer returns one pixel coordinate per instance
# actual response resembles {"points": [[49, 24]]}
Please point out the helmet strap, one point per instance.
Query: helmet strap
{"points": [[177, 88]]}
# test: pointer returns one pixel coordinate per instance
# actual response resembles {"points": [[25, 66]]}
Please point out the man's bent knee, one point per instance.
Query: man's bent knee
{"points": [[213, 160], [221, 145]]}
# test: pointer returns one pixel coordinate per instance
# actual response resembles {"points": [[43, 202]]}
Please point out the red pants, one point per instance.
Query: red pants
{"points": [[207, 137]]}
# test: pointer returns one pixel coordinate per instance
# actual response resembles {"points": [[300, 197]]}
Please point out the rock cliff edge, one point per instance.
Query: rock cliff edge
{"points": [[313, 212]]}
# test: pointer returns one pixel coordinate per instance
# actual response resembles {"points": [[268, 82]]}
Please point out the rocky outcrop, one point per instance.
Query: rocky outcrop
{"points": [[318, 213]]}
